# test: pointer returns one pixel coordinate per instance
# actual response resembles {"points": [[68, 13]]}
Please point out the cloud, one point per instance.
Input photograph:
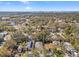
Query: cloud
{"points": [[25, 2], [2, 2], [28, 8]]}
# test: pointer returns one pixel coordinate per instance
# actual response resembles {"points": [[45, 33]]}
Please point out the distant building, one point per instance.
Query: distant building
{"points": [[3, 33], [39, 45], [71, 51], [7, 37], [29, 45], [50, 46], [56, 42], [5, 17], [30, 37]]}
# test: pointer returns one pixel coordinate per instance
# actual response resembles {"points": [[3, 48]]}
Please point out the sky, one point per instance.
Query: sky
{"points": [[39, 5]]}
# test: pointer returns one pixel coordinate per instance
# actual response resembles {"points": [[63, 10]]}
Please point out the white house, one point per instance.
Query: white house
{"points": [[7, 37], [3, 33], [39, 45]]}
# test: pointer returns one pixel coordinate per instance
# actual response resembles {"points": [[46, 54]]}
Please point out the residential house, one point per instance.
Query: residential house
{"points": [[71, 51], [7, 37], [39, 45], [3, 34], [50, 46]]}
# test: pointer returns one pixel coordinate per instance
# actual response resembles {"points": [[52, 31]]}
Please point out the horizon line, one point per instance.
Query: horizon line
{"points": [[41, 11]]}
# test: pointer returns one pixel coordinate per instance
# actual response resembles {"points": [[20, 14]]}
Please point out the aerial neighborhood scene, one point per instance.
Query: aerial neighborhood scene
{"points": [[39, 29]]}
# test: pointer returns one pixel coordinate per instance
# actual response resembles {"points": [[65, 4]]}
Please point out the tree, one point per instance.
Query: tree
{"points": [[42, 36], [68, 32]]}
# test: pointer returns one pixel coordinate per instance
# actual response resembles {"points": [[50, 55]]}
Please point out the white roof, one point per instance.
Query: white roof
{"points": [[2, 33], [67, 43]]}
